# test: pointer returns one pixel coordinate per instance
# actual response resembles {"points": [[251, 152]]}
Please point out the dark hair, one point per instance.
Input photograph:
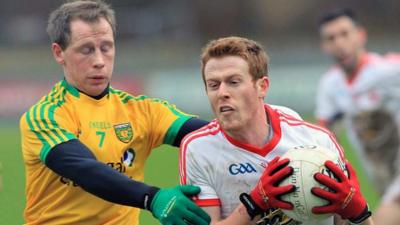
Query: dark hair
{"points": [[58, 26], [336, 13], [247, 49]]}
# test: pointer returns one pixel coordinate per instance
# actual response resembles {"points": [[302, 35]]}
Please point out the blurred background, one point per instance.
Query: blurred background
{"points": [[158, 48]]}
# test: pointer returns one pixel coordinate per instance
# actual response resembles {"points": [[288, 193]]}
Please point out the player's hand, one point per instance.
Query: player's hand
{"points": [[267, 192], [346, 198], [172, 206]]}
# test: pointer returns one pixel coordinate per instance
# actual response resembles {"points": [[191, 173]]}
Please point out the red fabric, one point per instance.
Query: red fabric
{"points": [[207, 202]]}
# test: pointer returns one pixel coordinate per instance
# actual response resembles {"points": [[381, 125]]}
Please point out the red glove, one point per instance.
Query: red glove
{"points": [[346, 198], [266, 193]]}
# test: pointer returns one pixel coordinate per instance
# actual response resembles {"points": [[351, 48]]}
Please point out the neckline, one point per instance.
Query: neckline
{"points": [[272, 142], [364, 59], [97, 100]]}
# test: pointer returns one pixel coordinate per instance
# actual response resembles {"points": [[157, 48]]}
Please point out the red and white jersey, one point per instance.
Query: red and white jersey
{"points": [[375, 84], [370, 104], [224, 168]]}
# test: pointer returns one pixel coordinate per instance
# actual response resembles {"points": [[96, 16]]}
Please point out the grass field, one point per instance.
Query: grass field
{"points": [[161, 170]]}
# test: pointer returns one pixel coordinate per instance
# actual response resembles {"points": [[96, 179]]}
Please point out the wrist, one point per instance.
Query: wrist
{"points": [[149, 197], [366, 213], [251, 206]]}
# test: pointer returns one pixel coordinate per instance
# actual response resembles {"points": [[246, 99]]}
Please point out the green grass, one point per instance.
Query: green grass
{"points": [[161, 170]]}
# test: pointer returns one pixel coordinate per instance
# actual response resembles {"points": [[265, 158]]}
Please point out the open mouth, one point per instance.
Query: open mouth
{"points": [[223, 109]]}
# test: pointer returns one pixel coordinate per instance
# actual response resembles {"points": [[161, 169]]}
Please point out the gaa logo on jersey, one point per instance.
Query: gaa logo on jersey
{"points": [[124, 132], [241, 168]]}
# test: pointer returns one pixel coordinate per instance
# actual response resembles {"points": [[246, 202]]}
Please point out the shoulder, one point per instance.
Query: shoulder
{"points": [[292, 119], [46, 107], [202, 136], [286, 112], [330, 79], [332, 74], [144, 102], [384, 67], [393, 57], [376, 61], [126, 97]]}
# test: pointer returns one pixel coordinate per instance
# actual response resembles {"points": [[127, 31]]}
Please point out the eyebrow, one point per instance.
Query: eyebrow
{"points": [[225, 78]]}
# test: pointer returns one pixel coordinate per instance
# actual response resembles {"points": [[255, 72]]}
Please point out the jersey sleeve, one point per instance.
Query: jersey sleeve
{"points": [[287, 111], [328, 140], [325, 108], [193, 171], [43, 127], [165, 120]]}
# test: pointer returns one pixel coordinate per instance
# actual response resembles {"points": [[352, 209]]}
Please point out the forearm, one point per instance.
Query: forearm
{"points": [[368, 221], [190, 125], [74, 161], [339, 221], [238, 217]]}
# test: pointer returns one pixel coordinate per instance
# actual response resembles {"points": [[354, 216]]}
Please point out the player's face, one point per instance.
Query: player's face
{"points": [[88, 60], [344, 41], [234, 96]]}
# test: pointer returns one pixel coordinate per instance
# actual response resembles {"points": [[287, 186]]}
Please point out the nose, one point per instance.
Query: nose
{"points": [[98, 60], [223, 91]]}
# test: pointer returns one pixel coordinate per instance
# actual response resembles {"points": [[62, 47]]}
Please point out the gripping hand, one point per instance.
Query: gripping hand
{"points": [[267, 192], [172, 206], [346, 199]]}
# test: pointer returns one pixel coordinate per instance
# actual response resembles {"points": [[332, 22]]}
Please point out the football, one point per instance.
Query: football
{"points": [[306, 161]]}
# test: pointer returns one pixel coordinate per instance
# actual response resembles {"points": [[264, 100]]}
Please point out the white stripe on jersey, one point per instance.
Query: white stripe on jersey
{"points": [[210, 128]]}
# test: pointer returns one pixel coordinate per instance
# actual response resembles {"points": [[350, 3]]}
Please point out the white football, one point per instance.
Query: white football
{"points": [[306, 161]]}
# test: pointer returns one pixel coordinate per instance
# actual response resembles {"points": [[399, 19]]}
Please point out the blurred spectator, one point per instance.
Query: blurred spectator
{"points": [[363, 88]]}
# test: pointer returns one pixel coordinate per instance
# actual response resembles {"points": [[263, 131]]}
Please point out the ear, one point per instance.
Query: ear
{"points": [[58, 53], [262, 86], [362, 35]]}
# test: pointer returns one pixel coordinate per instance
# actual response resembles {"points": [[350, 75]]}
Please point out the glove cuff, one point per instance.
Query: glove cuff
{"points": [[149, 197], [251, 206], [362, 217]]}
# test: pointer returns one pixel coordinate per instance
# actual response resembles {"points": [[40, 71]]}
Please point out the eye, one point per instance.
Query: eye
{"points": [[105, 47], [344, 33], [212, 85], [86, 50], [234, 82], [329, 38]]}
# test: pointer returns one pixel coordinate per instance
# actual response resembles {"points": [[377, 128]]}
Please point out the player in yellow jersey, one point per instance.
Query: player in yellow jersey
{"points": [[85, 144]]}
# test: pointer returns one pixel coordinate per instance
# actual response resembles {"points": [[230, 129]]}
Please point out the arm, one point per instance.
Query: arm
{"points": [[238, 217], [189, 126], [339, 221], [326, 112], [330, 122], [75, 161], [368, 221]]}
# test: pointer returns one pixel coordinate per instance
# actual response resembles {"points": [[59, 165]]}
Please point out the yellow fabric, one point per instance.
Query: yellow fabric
{"points": [[109, 127]]}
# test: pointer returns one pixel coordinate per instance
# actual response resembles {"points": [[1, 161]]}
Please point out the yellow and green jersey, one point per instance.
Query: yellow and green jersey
{"points": [[120, 130]]}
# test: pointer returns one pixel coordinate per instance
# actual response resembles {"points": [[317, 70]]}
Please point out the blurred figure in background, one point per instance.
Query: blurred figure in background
{"points": [[363, 88]]}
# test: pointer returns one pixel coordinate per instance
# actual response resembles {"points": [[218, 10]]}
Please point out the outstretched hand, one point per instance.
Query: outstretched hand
{"points": [[172, 206]]}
